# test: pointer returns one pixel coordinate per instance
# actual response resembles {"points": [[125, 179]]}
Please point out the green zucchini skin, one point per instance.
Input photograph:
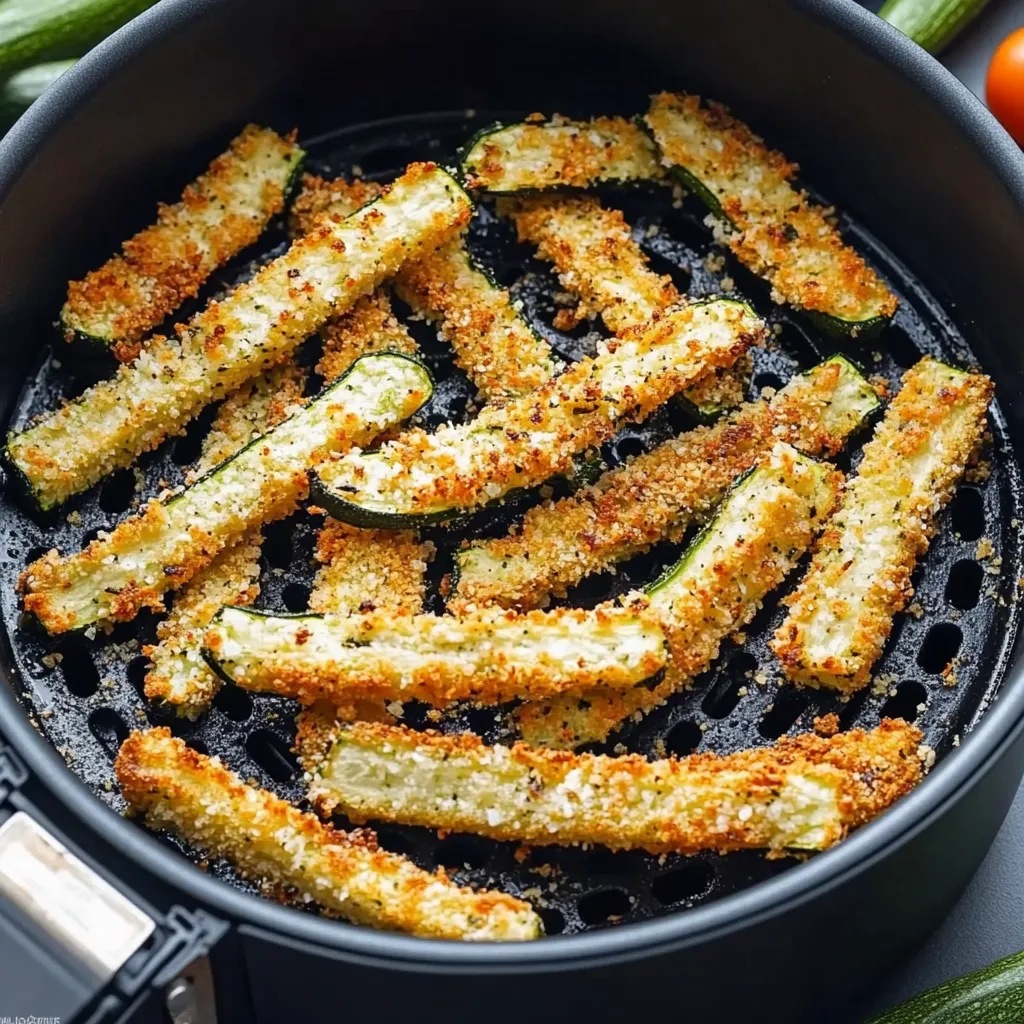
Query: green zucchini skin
{"points": [[931, 23], [34, 31], [993, 995]]}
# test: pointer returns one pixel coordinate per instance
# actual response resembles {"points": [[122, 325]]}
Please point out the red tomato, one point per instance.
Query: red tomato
{"points": [[1004, 86]]}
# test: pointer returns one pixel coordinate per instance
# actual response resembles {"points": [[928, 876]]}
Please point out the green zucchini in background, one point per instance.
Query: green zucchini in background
{"points": [[35, 31], [22, 89], [931, 23], [993, 995]]}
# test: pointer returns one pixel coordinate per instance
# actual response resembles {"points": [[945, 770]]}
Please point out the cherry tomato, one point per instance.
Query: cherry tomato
{"points": [[1004, 86]]}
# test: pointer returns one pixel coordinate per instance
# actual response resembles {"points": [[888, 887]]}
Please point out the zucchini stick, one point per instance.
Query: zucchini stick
{"points": [[771, 227], [169, 542], [597, 259], [489, 658], [841, 614], [257, 326], [220, 213], [535, 156], [803, 793], [763, 527], [269, 841], [422, 477], [659, 495], [496, 347]]}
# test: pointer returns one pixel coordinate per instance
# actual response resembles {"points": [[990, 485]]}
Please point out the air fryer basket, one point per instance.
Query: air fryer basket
{"points": [[943, 666]]}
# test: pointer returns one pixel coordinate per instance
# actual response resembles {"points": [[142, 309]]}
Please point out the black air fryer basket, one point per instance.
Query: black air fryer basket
{"points": [[884, 133]]}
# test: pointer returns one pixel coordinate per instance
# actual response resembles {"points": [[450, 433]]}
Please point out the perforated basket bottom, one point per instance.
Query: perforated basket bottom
{"points": [[965, 606]]}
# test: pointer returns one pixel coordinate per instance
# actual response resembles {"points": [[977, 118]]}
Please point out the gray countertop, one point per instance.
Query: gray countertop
{"points": [[988, 922]]}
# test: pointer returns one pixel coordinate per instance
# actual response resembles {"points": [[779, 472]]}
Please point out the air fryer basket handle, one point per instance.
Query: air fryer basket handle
{"points": [[76, 943]]}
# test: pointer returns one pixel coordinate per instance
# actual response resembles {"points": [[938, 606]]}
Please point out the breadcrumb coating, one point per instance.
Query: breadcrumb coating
{"points": [[369, 326], [220, 213], [598, 260], [496, 347], [530, 439], [802, 793], [166, 544], [659, 495], [268, 840], [499, 351], [773, 228], [320, 196], [842, 613], [538, 155], [257, 326], [179, 676], [762, 529], [490, 658]]}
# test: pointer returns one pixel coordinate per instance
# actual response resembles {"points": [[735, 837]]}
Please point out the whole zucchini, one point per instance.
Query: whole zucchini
{"points": [[931, 23], [993, 995], [33, 31], [22, 89]]}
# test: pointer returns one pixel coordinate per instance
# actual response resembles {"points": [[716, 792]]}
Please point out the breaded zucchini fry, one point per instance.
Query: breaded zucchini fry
{"points": [[490, 658], [657, 496], [803, 793], [257, 326], [269, 840], [597, 259], [169, 542], [535, 156], [764, 525], [496, 347], [422, 477], [773, 228], [224, 210], [179, 676], [841, 615]]}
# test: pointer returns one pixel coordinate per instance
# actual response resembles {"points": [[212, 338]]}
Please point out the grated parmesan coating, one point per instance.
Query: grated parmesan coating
{"points": [[179, 676], [842, 613], [490, 658], [658, 495], [538, 155], [773, 228], [533, 438], [369, 326], [220, 213], [496, 347], [598, 260], [268, 840], [165, 545], [802, 793], [256, 327], [762, 529]]}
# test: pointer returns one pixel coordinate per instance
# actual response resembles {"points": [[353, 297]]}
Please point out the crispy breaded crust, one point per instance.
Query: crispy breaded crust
{"points": [[502, 355], [164, 546], [654, 497], [267, 839], [256, 327], [365, 571], [178, 675], [598, 260], [496, 347], [754, 542], [490, 658], [319, 195], [220, 213], [842, 613], [369, 326], [530, 439], [802, 793], [257, 406], [595, 256], [562, 154], [773, 228]]}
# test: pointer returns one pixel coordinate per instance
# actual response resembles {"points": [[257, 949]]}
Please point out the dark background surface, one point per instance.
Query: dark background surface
{"points": [[988, 922]]}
